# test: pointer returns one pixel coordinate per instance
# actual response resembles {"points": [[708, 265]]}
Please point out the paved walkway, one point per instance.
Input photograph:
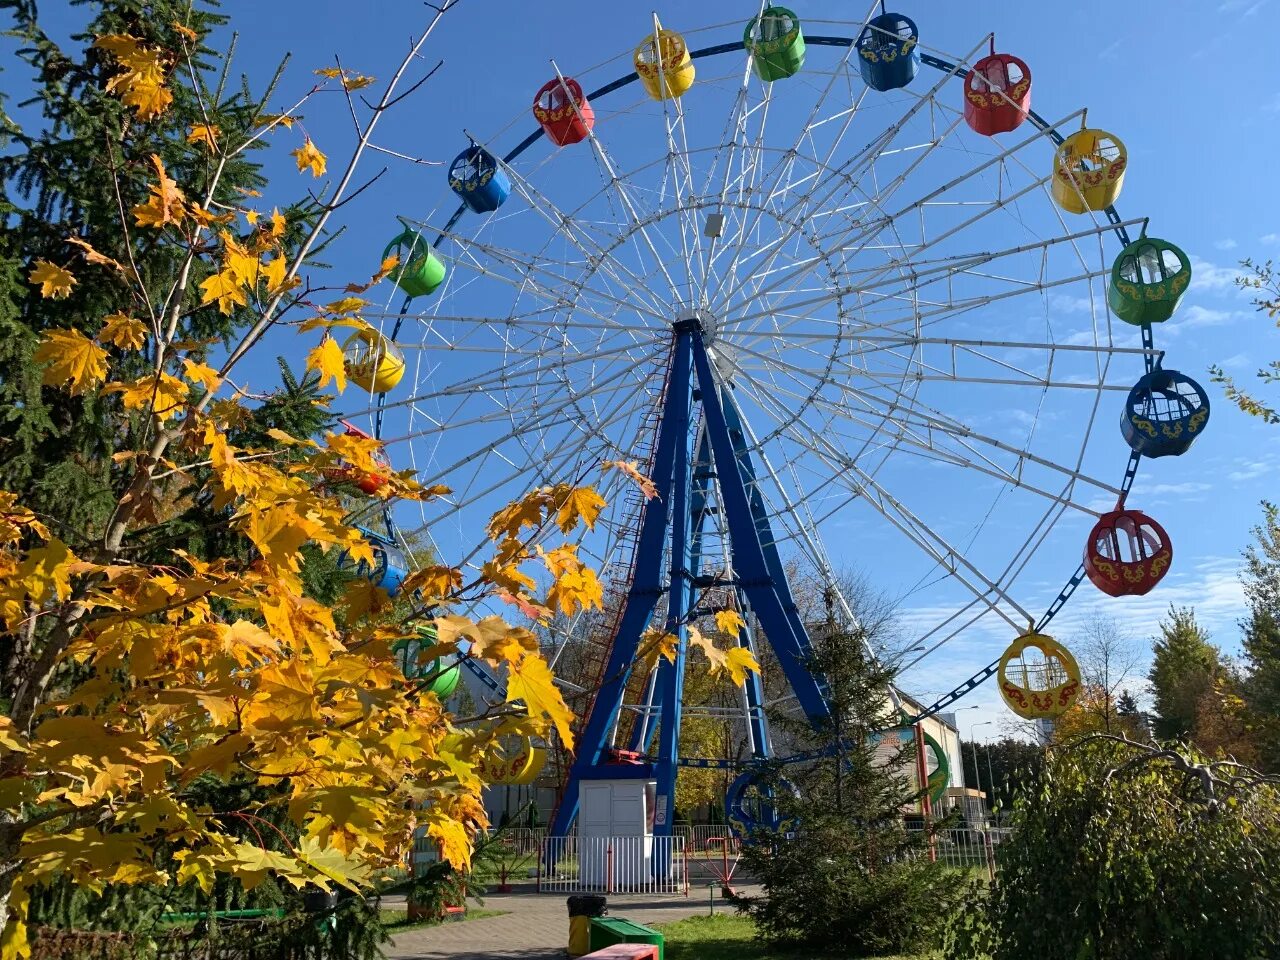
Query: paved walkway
{"points": [[535, 928]]}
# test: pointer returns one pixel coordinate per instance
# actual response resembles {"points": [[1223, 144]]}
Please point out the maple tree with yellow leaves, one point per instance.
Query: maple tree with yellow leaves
{"points": [[137, 670]]}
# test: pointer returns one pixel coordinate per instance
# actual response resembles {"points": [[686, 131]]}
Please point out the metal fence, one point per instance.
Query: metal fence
{"points": [[968, 849], [649, 864]]}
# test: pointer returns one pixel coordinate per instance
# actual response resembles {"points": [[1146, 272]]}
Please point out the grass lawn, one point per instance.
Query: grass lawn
{"points": [[398, 920], [728, 937]]}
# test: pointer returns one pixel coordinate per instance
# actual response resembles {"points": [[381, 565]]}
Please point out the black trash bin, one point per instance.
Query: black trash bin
{"points": [[582, 907], [587, 905]]}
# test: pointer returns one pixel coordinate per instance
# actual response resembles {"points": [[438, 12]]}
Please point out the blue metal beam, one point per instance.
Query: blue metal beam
{"points": [[671, 679], [646, 586], [763, 589]]}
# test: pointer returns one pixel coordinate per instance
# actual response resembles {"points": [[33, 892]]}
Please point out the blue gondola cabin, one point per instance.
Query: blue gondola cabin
{"points": [[476, 177], [997, 93], [889, 52], [1148, 281], [1164, 414], [389, 565]]}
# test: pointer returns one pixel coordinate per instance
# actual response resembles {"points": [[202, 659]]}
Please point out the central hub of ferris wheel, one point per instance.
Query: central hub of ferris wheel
{"points": [[701, 320]]}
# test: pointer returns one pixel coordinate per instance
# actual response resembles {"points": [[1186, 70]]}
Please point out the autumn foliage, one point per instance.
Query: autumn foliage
{"points": [[137, 674]]}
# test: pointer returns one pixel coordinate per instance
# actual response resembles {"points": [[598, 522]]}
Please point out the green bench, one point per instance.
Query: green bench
{"points": [[607, 931]]}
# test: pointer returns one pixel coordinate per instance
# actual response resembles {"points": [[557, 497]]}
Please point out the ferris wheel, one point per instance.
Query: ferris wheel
{"points": [[829, 287]]}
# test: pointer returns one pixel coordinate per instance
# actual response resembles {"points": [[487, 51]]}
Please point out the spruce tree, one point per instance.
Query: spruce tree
{"points": [[1182, 672], [1261, 687], [845, 872], [75, 177]]}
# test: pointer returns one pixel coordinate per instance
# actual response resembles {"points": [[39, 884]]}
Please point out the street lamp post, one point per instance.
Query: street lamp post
{"points": [[991, 780], [991, 777], [977, 780]]}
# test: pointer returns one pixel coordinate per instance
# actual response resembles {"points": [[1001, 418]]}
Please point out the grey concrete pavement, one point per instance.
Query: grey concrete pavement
{"points": [[536, 927]]}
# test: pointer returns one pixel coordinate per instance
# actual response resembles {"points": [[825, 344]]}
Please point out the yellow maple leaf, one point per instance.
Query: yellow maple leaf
{"points": [[123, 332], [225, 289], [273, 272], [275, 120], [55, 282], [530, 681], [345, 305], [357, 81], [455, 845], [206, 133], [202, 374], [580, 503], [70, 356], [141, 79], [515, 516], [166, 203], [308, 156], [631, 470], [183, 30], [326, 360], [736, 660], [389, 264], [328, 72], [165, 391], [655, 642], [237, 261], [93, 256], [507, 576], [561, 559], [278, 224], [730, 622], [279, 534], [491, 639], [576, 590], [435, 582]]}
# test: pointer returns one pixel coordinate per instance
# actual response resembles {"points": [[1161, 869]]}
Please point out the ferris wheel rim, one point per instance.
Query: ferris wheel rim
{"points": [[1116, 224]]}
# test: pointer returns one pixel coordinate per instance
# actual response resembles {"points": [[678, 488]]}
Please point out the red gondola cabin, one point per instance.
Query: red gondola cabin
{"points": [[997, 93], [1127, 554], [563, 111]]}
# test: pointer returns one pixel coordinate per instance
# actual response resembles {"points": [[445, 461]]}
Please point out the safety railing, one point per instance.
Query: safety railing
{"points": [[969, 850], [613, 865]]}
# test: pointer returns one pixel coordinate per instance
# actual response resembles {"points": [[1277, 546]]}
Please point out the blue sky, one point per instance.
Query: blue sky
{"points": [[1192, 92]]}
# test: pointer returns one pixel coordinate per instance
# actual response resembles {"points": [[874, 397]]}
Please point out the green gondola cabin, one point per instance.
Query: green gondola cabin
{"points": [[1148, 281]]}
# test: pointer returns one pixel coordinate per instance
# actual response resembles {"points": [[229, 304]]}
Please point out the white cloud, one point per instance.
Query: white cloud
{"points": [[1210, 276], [1188, 489], [1062, 303], [1246, 8], [1227, 244], [1270, 238], [1198, 316], [1252, 469]]}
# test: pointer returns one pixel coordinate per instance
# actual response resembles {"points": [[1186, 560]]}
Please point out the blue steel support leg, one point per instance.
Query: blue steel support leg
{"points": [[647, 724], [757, 722], [760, 517], [646, 587], [782, 627], [671, 678]]}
